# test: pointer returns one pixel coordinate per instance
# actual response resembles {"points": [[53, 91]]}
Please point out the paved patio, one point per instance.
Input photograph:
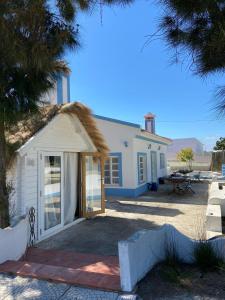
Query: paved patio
{"points": [[124, 216]]}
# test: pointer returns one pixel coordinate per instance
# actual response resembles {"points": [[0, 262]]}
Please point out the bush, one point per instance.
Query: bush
{"points": [[206, 257]]}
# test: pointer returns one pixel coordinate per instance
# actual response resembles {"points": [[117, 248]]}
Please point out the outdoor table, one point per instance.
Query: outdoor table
{"points": [[180, 183]]}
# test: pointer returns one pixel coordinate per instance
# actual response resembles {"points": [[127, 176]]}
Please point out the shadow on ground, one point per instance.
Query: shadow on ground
{"points": [[142, 209], [99, 235]]}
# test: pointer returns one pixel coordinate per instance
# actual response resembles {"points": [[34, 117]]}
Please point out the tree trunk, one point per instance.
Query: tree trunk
{"points": [[4, 198]]}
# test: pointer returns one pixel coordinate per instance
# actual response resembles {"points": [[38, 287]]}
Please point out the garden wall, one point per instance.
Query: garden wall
{"points": [[13, 241], [139, 253]]}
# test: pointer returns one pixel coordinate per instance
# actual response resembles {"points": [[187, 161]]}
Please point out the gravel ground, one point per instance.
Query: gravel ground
{"points": [[20, 288], [188, 283]]}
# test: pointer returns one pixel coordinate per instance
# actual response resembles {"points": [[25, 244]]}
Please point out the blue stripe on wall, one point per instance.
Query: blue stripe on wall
{"points": [[117, 121], [59, 90], [126, 192]]}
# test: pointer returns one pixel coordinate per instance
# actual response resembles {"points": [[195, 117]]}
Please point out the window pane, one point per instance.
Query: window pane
{"points": [[107, 173], [115, 174], [114, 159], [52, 191], [107, 180], [107, 167], [115, 180], [115, 167]]}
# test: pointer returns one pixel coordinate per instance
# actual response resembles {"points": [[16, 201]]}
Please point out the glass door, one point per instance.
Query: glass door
{"points": [[154, 166], [92, 185], [51, 192]]}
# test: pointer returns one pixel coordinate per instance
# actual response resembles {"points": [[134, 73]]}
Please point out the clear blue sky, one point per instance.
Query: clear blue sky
{"points": [[116, 79]]}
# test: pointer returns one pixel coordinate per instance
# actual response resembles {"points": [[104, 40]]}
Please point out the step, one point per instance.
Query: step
{"points": [[61, 274], [81, 261]]}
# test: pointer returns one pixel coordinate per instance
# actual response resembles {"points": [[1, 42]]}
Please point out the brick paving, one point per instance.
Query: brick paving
{"points": [[89, 270]]}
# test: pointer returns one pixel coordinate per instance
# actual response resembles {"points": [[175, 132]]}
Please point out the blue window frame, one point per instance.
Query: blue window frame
{"points": [[142, 167], [113, 169]]}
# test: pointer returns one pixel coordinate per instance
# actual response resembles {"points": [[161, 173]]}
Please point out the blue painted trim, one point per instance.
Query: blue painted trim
{"points": [[117, 121], [59, 89], [127, 192], [140, 137], [138, 167], [223, 169], [119, 155], [68, 88]]}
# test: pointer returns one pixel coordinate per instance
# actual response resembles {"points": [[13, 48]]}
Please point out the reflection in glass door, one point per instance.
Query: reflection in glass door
{"points": [[92, 185], [52, 192]]}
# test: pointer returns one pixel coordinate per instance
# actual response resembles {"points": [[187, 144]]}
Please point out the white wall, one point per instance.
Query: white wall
{"points": [[142, 146], [13, 241], [115, 135], [139, 253], [63, 134]]}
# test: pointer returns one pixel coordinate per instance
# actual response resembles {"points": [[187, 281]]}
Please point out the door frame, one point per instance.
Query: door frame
{"points": [[84, 213], [42, 232], [156, 164]]}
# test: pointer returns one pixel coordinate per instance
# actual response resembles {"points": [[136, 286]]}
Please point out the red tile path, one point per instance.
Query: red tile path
{"points": [[87, 270]]}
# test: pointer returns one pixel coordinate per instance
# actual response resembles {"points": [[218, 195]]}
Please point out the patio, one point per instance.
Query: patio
{"points": [[86, 254], [124, 216]]}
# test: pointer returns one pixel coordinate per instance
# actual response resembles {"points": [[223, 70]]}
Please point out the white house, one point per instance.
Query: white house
{"points": [[137, 156], [58, 167]]}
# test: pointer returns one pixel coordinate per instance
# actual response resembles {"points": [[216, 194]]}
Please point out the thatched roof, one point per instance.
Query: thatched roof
{"points": [[24, 130]]}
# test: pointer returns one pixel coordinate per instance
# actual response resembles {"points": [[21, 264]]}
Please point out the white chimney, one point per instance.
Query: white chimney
{"points": [[150, 123], [60, 93]]}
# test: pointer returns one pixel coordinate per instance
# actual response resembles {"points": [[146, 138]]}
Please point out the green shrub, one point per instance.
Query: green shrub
{"points": [[206, 257]]}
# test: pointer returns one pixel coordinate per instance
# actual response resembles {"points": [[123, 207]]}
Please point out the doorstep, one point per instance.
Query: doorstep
{"points": [[82, 269]]}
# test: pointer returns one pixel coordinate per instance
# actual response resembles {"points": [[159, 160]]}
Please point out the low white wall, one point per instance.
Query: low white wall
{"points": [[13, 241], [139, 253], [217, 196], [213, 218]]}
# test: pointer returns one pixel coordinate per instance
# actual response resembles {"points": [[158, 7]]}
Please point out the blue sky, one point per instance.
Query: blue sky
{"points": [[113, 76]]}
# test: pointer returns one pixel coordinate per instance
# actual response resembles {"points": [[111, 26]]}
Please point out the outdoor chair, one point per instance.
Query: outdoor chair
{"points": [[188, 187]]}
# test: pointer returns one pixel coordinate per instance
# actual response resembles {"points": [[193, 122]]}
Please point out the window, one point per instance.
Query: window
{"points": [[112, 170], [162, 161], [142, 168]]}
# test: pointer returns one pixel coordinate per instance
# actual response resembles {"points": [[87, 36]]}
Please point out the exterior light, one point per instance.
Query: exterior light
{"points": [[125, 143]]}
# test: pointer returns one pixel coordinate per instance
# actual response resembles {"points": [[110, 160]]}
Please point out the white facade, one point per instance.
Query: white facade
{"points": [[64, 134], [128, 141]]}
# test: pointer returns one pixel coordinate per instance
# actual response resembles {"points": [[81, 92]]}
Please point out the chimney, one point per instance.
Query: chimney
{"points": [[150, 123], [60, 93]]}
